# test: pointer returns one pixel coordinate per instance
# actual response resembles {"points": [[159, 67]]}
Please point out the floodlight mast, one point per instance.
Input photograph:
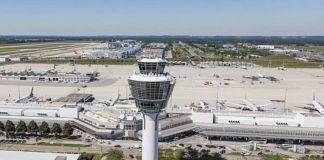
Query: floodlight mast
{"points": [[151, 89]]}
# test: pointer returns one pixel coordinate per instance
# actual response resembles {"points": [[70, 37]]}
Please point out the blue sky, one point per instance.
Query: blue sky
{"points": [[162, 17]]}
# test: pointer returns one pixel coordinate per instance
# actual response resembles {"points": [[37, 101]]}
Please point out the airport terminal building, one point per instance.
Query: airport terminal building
{"points": [[253, 125], [48, 76]]}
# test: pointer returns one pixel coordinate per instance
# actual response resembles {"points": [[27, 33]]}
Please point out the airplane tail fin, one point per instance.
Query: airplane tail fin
{"points": [[313, 96], [31, 92]]}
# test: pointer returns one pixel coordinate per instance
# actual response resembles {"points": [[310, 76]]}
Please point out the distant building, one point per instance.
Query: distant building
{"points": [[113, 50], [46, 110], [153, 52], [4, 59], [29, 75], [284, 51], [228, 46], [265, 46], [271, 125], [19, 59], [19, 155]]}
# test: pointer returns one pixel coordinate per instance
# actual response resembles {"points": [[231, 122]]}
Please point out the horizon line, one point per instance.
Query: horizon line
{"points": [[158, 35]]}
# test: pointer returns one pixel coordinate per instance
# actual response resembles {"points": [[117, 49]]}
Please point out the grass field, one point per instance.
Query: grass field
{"points": [[178, 51], [286, 61], [309, 48], [39, 47], [274, 61], [48, 49], [266, 61]]}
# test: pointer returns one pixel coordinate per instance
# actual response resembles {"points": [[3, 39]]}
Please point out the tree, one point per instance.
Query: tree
{"points": [[10, 128], [170, 154], [272, 157], [86, 156], [187, 154], [44, 130], [21, 127], [2, 128], [222, 59], [115, 154], [97, 157], [217, 156], [204, 154], [312, 157], [32, 127], [56, 129], [191, 154], [67, 129]]}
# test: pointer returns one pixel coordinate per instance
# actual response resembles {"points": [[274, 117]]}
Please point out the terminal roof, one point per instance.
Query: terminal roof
{"points": [[75, 98]]}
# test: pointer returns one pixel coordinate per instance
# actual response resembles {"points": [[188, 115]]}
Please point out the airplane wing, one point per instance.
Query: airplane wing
{"points": [[239, 106], [264, 105]]}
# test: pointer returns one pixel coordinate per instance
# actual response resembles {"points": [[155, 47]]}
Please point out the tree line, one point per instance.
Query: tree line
{"points": [[186, 154], [33, 129]]}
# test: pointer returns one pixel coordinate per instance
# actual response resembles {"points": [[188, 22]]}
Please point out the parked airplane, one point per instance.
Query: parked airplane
{"points": [[261, 75], [248, 105], [204, 105], [282, 68], [317, 105], [28, 98], [243, 67]]}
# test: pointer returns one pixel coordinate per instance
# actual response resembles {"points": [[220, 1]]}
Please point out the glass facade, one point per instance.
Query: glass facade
{"points": [[151, 67], [263, 132], [151, 95]]}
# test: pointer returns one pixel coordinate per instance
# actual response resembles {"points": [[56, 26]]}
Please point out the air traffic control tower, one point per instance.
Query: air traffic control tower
{"points": [[151, 89]]}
